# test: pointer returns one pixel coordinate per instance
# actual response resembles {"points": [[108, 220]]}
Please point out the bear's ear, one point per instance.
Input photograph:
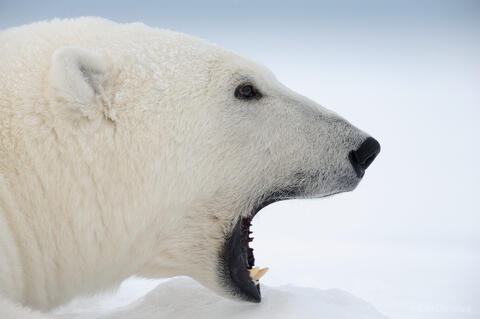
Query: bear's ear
{"points": [[79, 78]]}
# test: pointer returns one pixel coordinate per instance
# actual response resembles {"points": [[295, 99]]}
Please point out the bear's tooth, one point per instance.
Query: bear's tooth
{"points": [[253, 272], [260, 273]]}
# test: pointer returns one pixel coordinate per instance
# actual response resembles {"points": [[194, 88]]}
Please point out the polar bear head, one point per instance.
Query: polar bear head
{"points": [[204, 138]]}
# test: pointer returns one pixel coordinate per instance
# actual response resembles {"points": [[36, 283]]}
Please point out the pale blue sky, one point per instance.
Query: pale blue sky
{"points": [[239, 15]]}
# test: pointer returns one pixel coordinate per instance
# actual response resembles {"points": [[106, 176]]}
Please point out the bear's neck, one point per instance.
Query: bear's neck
{"points": [[77, 212]]}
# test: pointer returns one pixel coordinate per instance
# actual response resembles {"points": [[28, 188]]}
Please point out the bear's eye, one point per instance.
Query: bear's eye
{"points": [[247, 91]]}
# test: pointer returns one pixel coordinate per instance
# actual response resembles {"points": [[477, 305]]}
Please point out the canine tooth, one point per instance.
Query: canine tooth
{"points": [[260, 273], [253, 272]]}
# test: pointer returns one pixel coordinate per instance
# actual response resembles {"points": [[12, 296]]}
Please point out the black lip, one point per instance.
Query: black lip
{"points": [[236, 277]]}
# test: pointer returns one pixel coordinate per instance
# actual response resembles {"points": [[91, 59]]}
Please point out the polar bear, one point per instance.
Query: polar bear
{"points": [[128, 150]]}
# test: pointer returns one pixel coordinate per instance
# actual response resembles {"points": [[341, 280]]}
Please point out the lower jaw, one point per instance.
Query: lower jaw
{"points": [[234, 267]]}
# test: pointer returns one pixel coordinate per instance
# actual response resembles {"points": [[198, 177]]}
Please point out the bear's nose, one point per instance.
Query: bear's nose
{"points": [[364, 155]]}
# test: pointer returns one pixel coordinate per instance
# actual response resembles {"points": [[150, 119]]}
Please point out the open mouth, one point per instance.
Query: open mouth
{"points": [[237, 267]]}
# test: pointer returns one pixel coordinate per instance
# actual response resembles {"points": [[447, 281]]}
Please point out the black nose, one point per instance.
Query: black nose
{"points": [[364, 156]]}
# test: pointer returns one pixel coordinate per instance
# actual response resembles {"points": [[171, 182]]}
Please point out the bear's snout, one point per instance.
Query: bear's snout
{"points": [[364, 155]]}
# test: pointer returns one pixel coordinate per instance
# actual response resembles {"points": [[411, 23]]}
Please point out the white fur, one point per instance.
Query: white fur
{"points": [[124, 152]]}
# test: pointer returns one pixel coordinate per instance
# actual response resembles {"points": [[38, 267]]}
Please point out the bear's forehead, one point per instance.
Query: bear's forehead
{"points": [[175, 50], [177, 53]]}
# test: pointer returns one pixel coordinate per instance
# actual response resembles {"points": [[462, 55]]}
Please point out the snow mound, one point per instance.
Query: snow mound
{"points": [[184, 298]]}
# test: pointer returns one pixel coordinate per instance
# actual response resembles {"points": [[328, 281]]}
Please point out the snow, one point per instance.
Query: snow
{"points": [[184, 298]]}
